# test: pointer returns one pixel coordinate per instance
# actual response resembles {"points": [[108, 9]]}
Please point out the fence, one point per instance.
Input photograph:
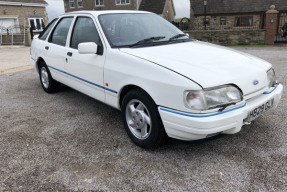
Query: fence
{"points": [[281, 36], [13, 33]]}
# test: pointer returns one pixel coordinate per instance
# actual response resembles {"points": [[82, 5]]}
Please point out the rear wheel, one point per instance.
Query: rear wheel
{"points": [[142, 121], [48, 83]]}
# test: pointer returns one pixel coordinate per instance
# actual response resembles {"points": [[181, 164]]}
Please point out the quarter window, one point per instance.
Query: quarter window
{"points": [[84, 31], [80, 3], [47, 30], [99, 2], [60, 33], [72, 3], [122, 2]]}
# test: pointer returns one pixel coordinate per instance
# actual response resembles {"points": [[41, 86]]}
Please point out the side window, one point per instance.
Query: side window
{"points": [[60, 33], [47, 30], [84, 31]]}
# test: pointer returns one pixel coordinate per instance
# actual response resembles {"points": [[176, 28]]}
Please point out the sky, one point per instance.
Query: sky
{"points": [[56, 8]]}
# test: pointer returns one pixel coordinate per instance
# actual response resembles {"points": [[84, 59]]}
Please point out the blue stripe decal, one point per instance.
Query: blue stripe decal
{"points": [[33, 59], [83, 80], [201, 116], [272, 90]]}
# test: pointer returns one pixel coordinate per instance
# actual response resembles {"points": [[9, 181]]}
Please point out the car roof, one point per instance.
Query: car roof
{"points": [[103, 12]]}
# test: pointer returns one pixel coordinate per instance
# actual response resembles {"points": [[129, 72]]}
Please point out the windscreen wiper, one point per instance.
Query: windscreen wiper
{"points": [[177, 36], [147, 40]]}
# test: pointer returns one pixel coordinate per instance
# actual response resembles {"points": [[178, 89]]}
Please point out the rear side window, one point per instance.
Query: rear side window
{"points": [[47, 30], [84, 31], [60, 33]]}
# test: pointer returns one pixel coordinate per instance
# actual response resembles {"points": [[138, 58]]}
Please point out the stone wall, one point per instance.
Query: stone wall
{"points": [[214, 21], [18, 39], [230, 37]]}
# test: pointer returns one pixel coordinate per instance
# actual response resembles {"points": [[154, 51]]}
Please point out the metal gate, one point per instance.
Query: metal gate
{"points": [[281, 36], [13, 31]]}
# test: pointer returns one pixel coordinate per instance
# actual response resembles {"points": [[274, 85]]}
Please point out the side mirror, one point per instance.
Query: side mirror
{"points": [[88, 48], [187, 34]]}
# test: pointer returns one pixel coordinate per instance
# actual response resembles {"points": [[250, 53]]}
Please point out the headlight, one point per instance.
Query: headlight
{"points": [[212, 98], [271, 77]]}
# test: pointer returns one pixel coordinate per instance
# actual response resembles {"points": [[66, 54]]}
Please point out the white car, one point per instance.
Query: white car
{"points": [[165, 84]]}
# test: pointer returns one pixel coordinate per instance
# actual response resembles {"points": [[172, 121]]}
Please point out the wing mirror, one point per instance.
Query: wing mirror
{"points": [[88, 48]]}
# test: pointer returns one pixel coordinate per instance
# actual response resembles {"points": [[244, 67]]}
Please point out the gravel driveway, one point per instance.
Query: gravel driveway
{"points": [[70, 142]]}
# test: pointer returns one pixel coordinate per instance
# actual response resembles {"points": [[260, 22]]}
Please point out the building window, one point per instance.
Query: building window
{"points": [[36, 24], [72, 3], [80, 3], [122, 2], [244, 21], [222, 20], [99, 2], [206, 22]]}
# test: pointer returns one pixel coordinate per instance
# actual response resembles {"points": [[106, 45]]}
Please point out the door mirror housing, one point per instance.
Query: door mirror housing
{"points": [[88, 48]]}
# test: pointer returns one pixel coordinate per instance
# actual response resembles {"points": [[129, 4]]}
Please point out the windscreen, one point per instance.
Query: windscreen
{"points": [[128, 29]]}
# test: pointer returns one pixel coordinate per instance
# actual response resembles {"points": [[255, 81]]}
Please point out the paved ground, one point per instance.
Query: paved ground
{"points": [[68, 141], [14, 58]]}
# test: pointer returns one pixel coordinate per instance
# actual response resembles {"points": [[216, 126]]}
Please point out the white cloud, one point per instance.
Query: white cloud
{"points": [[182, 8], [54, 8]]}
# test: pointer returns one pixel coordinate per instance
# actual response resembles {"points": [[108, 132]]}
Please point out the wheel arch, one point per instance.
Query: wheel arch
{"points": [[128, 88], [39, 60]]}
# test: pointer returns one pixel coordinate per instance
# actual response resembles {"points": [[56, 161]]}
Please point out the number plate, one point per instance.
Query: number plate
{"points": [[260, 109]]}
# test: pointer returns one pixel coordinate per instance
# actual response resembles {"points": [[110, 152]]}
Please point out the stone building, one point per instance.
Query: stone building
{"points": [[165, 8], [232, 14], [78, 5], [19, 15]]}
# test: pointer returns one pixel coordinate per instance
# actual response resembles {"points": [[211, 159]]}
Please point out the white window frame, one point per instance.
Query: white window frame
{"points": [[72, 1], [35, 23], [125, 3], [99, 4], [80, 1]]}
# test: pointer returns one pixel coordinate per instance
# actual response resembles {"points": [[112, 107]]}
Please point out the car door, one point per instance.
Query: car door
{"points": [[85, 70], [56, 48]]}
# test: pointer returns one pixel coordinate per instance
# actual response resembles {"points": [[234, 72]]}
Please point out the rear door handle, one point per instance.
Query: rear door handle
{"points": [[47, 47], [70, 54]]}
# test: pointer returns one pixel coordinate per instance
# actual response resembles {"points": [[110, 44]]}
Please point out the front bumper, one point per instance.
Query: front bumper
{"points": [[187, 126]]}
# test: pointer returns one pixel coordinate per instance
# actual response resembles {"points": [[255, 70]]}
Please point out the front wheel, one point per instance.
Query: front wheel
{"points": [[142, 120]]}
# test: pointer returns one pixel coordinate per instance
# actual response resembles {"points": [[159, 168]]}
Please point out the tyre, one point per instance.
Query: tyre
{"points": [[48, 83], [142, 121]]}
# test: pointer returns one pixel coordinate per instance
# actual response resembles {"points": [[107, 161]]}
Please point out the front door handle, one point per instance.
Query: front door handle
{"points": [[47, 47], [70, 54]]}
